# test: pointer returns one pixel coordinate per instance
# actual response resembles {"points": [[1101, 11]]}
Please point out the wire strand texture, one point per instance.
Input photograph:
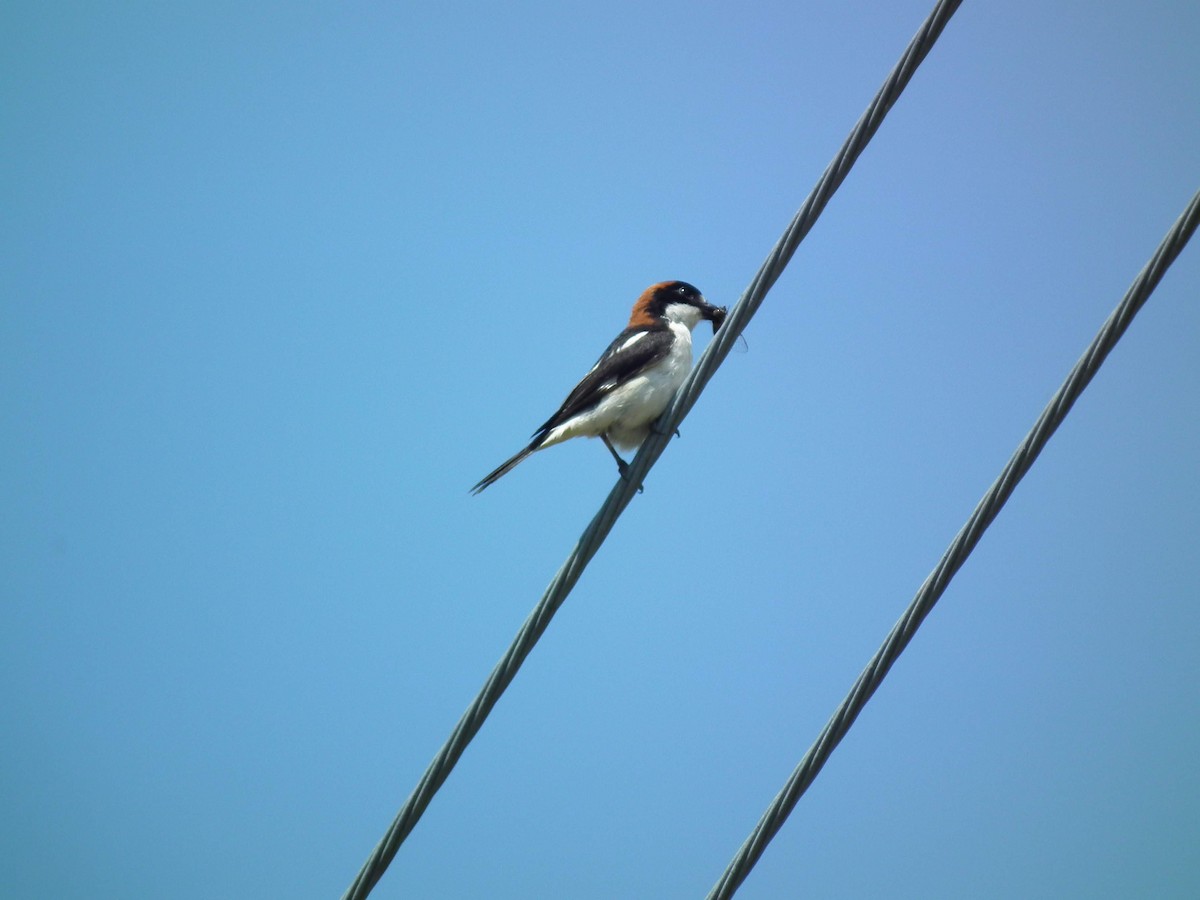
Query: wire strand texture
{"points": [[960, 548], [652, 448]]}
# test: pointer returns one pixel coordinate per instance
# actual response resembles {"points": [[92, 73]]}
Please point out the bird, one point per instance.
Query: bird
{"points": [[632, 382]]}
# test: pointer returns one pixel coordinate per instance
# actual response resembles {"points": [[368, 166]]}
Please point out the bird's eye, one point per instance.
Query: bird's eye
{"points": [[681, 290]]}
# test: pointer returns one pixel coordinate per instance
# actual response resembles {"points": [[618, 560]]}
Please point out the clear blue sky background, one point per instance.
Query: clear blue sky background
{"points": [[281, 281]]}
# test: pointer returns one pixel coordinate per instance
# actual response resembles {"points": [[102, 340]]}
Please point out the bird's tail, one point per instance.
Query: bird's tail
{"points": [[504, 468]]}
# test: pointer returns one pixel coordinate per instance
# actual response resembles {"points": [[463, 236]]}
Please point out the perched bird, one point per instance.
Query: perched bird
{"points": [[633, 381]]}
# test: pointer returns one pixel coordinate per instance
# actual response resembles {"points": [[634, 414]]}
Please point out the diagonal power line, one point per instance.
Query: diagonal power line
{"points": [[620, 496], [960, 548]]}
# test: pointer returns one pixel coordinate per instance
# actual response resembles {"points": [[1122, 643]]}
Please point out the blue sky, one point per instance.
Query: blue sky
{"points": [[281, 282]]}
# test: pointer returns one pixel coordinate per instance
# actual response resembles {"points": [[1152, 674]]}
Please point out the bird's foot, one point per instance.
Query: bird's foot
{"points": [[623, 469], [657, 430]]}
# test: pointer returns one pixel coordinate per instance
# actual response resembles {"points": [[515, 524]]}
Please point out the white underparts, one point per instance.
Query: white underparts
{"points": [[626, 414]]}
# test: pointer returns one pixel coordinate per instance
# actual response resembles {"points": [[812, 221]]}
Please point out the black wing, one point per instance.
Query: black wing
{"points": [[613, 369]]}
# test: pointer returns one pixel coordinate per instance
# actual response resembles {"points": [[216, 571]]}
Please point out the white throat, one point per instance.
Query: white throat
{"points": [[683, 314]]}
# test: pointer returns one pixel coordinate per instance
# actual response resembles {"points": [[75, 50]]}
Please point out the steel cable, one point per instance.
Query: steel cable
{"points": [[960, 548], [595, 533]]}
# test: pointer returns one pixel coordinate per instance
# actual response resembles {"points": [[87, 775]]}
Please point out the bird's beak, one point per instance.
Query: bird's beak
{"points": [[716, 315]]}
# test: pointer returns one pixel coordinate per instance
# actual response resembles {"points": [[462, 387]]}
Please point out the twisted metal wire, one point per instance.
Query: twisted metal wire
{"points": [[960, 548], [652, 448]]}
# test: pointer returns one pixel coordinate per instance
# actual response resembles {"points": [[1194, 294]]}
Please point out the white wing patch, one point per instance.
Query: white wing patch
{"points": [[631, 340]]}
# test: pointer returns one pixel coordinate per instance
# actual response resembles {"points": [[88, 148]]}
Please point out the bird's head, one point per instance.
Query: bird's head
{"points": [[675, 301]]}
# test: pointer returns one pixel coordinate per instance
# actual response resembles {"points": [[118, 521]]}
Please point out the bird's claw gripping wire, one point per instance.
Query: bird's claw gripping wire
{"points": [[622, 466], [623, 469]]}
